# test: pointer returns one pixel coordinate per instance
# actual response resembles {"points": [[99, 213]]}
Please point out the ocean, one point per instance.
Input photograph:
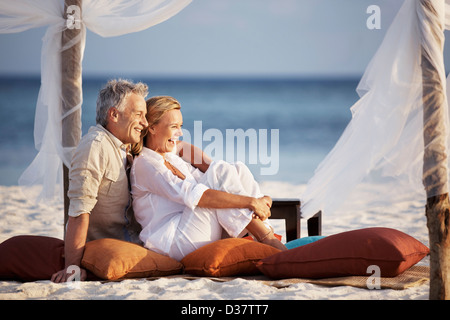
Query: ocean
{"points": [[281, 128]]}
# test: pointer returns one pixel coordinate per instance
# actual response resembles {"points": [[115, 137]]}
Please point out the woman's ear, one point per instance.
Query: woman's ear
{"points": [[151, 130]]}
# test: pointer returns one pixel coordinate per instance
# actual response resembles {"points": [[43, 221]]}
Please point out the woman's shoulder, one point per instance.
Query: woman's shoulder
{"points": [[177, 161], [170, 156], [148, 158]]}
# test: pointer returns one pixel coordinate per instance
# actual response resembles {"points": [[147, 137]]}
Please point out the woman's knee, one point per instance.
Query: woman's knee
{"points": [[242, 169], [221, 174], [236, 170]]}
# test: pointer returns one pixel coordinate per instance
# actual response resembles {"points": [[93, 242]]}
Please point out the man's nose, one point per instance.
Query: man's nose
{"points": [[144, 122]]}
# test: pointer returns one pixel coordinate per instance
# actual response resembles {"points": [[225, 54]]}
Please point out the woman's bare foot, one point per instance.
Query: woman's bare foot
{"points": [[274, 242], [259, 230]]}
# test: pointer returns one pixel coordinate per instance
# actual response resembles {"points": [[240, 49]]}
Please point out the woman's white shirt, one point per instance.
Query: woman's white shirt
{"points": [[160, 197]]}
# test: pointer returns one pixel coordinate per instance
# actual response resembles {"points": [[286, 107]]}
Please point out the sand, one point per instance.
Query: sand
{"points": [[18, 216]]}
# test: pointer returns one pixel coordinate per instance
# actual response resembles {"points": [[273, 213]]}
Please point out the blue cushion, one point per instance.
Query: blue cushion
{"points": [[302, 241]]}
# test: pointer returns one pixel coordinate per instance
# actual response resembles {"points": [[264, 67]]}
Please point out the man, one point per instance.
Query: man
{"points": [[100, 202]]}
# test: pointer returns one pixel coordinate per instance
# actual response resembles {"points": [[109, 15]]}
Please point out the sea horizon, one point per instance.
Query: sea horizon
{"points": [[309, 113]]}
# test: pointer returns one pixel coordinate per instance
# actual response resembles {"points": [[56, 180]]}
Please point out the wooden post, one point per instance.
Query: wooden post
{"points": [[435, 164], [71, 92]]}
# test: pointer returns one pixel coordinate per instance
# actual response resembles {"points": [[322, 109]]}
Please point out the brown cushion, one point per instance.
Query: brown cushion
{"points": [[113, 259], [227, 257], [347, 253], [31, 258]]}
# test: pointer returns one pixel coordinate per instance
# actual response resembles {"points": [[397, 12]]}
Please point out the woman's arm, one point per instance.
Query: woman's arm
{"points": [[151, 176], [223, 200], [154, 177], [193, 155]]}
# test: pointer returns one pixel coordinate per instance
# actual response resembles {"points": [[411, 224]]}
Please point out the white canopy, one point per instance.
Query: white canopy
{"points": [[106, 18], [383, 143]]}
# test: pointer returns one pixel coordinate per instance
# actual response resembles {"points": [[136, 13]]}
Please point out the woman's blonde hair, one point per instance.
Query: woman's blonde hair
{"points": [[156, 109]]}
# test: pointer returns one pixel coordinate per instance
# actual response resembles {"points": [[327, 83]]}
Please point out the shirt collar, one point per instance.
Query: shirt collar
{"points": [[119, 144]]}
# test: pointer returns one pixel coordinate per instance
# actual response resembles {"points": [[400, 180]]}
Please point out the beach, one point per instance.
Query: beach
{"points": [[308, 124], [243, 99], [18, 217]]}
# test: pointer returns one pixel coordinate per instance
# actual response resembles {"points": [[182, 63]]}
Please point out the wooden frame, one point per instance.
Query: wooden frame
{"points": [[289, 210]]}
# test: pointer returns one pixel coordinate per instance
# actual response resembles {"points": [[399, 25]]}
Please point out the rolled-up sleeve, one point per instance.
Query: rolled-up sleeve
{"points": [[84, 178], [150, 176], [193, 196]]}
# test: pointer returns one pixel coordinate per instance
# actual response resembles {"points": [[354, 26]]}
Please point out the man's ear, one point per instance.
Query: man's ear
{"points": [[113, 114]]}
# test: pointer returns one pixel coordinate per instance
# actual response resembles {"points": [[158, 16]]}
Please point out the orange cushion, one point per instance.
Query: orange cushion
{"points": [[113, 259], [31, 258], [279, 237], [348, 253], [227, 257]]}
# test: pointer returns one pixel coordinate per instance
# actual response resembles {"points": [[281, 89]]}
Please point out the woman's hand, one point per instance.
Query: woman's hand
{"points": [[261, 207]]}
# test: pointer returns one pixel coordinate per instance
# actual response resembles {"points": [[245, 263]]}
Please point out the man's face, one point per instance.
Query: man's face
{"points": [[131, 121]]}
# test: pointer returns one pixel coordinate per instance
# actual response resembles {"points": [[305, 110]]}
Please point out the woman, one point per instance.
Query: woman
{"points": [[179, 207]]}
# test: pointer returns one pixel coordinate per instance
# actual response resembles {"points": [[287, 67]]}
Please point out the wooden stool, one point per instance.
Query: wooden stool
{"points": [[289, 210]]}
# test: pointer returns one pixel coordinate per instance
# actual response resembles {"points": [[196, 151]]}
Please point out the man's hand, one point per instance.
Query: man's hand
{"points": [[73, 248], [64, 275]]}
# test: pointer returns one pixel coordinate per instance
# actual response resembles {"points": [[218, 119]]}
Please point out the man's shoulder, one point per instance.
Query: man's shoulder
{"points": [[96, 141], [96, 133], [95, 136]]}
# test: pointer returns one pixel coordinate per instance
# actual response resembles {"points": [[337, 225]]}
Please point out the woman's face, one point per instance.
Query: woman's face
{"points": [[165, 134]]}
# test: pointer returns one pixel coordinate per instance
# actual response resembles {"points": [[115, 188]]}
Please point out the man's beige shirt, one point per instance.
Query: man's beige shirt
{"points": [[99, 186]]}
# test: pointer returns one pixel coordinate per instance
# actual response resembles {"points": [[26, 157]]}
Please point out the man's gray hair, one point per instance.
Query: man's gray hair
{"points": [[114, 94]]}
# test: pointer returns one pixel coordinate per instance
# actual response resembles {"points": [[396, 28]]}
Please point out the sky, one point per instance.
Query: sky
{"points": [[229, 38]]}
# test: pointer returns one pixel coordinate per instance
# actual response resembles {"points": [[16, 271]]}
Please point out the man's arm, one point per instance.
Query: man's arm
{"points": [[74, 246], [194, 155]]}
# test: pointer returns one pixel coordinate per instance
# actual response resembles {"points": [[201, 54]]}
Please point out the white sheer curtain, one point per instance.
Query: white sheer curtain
{"points": [[107, 18], [383, 143]]}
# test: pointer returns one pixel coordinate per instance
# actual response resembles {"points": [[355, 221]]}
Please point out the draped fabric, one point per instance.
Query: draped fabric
{"points": [[384, 141], [106, 18]]}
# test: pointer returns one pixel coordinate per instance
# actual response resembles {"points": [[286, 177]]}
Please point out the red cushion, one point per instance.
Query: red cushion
{"points": [[347, 253], [31, 258]]}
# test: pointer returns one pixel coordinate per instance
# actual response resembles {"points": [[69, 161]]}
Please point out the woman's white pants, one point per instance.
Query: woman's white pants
{"points": [[201, 226]]}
